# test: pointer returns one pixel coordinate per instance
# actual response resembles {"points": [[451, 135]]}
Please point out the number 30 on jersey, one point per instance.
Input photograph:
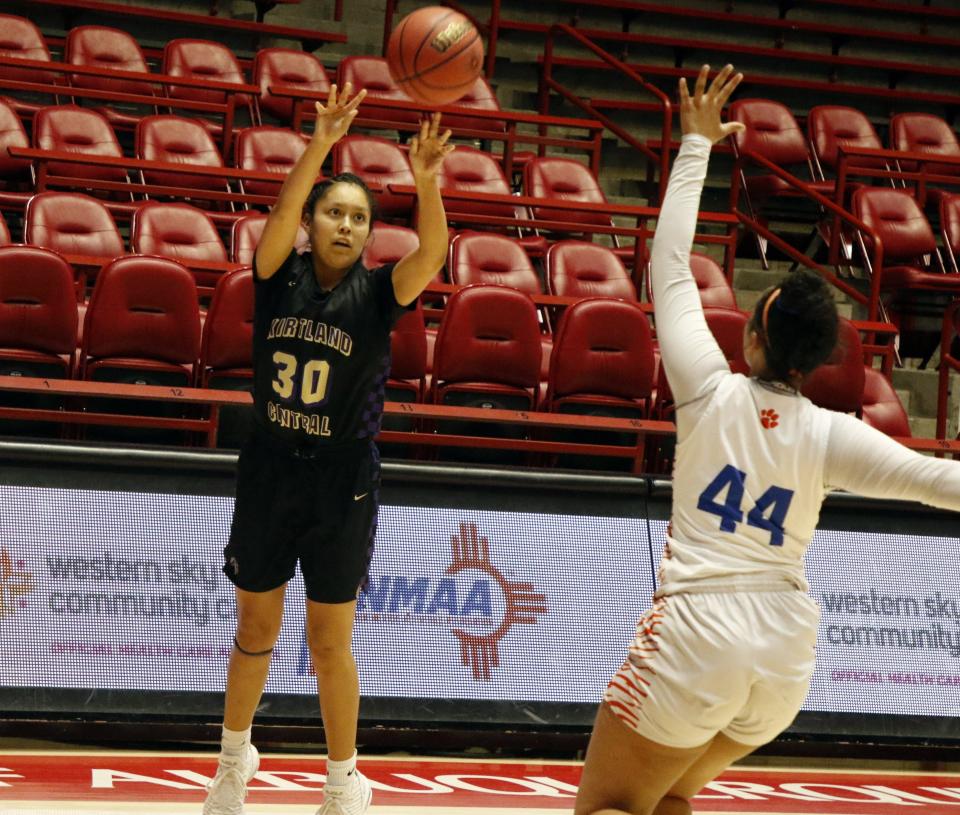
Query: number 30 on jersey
{"points": [[314, 379], [768, 513]]}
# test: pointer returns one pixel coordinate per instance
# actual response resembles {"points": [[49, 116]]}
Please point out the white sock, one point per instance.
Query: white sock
{"points": [[234, 742], [339, 772]]}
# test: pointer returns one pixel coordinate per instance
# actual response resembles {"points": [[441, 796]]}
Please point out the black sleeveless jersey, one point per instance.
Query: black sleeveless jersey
{"points": [[321, 359]]}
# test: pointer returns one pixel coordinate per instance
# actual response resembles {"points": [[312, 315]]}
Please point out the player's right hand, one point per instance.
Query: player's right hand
{"points": [[334, 118], [701, 113]]}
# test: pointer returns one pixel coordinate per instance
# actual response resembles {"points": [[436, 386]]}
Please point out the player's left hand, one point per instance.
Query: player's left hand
{"points": [[701, 113], [429, 149]]}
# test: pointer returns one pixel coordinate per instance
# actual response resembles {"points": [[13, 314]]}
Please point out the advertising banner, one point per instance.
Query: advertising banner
{"points": [[120, 590]]}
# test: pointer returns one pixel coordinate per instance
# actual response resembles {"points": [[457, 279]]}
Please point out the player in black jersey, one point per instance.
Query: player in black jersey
{"points": [[308, 476]]}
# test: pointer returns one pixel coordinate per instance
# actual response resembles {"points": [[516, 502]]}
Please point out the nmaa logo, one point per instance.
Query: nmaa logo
{"points": [[471, 598]]}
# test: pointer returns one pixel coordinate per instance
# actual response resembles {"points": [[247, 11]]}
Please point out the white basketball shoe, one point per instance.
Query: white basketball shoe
{"points": [[351, 799], [228, 789]]}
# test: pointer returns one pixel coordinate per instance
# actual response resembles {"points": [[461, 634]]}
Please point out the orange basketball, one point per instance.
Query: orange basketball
{"points": [[435, 55]]}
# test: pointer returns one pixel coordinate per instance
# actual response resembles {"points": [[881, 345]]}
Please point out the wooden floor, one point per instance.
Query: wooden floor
{"points": [[57, 782]]}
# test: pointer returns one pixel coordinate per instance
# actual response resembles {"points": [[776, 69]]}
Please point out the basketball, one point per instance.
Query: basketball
{"points": [[435, 55]]}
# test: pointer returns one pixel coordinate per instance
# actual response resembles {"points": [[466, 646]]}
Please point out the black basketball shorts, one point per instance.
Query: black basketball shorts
{"points": [[318, 509]]}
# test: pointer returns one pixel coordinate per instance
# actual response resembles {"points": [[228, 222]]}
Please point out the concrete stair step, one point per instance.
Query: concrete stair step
{"points": [[905, 395], [922, 427], [923, 389]]}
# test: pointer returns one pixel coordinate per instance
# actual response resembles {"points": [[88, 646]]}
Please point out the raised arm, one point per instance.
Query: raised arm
{"points": [[690, 353], [862, 460], [280, 231], [414, 271]]}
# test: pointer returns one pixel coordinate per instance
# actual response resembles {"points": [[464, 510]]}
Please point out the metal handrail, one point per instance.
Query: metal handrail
{"points": [[549, 83], [871, 301]]}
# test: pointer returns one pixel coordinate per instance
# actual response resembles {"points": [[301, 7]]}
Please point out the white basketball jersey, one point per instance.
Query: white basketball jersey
{"points": [[747, 490]]}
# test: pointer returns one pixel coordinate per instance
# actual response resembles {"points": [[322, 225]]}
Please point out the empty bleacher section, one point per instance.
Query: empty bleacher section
{"points": [[163, 130]]}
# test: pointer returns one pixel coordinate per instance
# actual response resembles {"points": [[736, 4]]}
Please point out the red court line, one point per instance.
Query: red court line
{"points": [[428, 784]]}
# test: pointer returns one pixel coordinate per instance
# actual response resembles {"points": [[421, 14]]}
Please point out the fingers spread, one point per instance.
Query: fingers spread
{"points": [[728, 89], [701, 84], [332, 96], [720, 78], [684, 93], [355, 102], [414, 146], [446, 135]]}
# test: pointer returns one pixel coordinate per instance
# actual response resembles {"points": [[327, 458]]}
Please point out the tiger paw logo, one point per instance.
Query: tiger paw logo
{"points": [[769, 419], [15, 583], [479, 650]]}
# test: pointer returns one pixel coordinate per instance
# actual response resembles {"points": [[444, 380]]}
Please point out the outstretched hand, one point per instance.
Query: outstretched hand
{"points": [[334, 118], [701, 113], [429, 149]]}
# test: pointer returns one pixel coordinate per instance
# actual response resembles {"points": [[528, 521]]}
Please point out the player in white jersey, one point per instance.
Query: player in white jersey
{"points": [[722, 662]]}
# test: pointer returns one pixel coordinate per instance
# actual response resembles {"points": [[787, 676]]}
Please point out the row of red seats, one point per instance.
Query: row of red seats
{"points": [[143, 325], [78, 225], [774, 133], [910, 275], [116, 50], [179, 141]]}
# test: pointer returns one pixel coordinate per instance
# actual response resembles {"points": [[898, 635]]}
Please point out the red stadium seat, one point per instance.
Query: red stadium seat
{"points": [[175, 140], [97, 46], [580, 269], [773, 132], [267, 150], [226, 355], [912, 277], [481, 96], [467, 171], [389, 243], [488, 349], [373, 75], [226, 352], [13, 171], [21, 39], [285, 66], [602, 360], [881, 407], [602, 364], [72, 224], [180, 232], [38, 313], [377, 161], [204, 60], [72, 129], [838, 383], [485, 257], [564, 179], [245, 235], [950, 228], [408, 360], [142, 327], [832, 127], [712, 284], [925, 133], [142, 324], [901, 226]]}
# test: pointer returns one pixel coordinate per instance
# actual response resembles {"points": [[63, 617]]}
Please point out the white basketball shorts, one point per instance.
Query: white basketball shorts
{"points": [[737, 663]]}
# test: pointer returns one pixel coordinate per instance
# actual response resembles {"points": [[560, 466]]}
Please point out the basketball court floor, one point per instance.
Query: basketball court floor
{"points": [[53, 782]]}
